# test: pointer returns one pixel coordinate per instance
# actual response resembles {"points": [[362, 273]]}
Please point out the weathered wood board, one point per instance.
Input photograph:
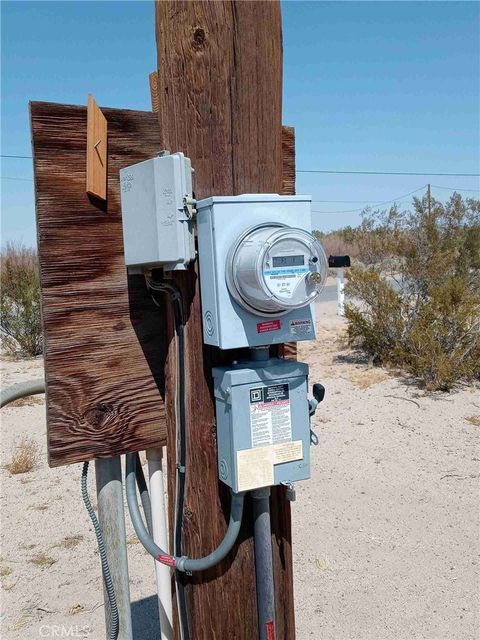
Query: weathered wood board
{"points": [[104, 338]]}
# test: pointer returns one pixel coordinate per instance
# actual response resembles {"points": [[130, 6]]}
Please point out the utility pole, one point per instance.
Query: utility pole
{"points": [[219, 88], [429, 196]]}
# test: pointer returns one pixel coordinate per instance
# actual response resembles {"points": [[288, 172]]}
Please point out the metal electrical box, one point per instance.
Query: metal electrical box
{"points": [[260, 269], [157, 217], [263, 426]]}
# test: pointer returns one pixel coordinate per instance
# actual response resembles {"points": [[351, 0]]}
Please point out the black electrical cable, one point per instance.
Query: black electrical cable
{"points": [[144, 496], [178, 313], [182, 459]]}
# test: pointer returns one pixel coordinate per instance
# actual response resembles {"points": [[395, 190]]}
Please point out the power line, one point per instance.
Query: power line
{"points": [[436, 186], [361, 173], [389, 173], [12, 178], [7, 156], [375, 203]]}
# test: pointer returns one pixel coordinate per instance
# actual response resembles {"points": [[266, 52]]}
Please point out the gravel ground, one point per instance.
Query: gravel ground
{"points": [[386, 533]]}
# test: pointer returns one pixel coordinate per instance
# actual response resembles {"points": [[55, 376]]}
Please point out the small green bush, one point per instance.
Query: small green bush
{"points": [[417, 296], [20, 321]]}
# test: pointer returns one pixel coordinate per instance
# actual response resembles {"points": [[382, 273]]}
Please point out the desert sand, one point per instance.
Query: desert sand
{"points": [[385, 534]]}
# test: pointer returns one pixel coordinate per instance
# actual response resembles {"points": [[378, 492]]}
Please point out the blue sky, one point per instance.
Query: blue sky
{"points": [[369, 86]]}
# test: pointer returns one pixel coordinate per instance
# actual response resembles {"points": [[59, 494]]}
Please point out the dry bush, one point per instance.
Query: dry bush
{"points": [[20, 301], [42, 560], [429, 323], [70, 542], [341, 242], [24, 458]]}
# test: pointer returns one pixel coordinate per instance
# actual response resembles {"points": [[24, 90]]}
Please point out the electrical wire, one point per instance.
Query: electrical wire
{"points": [[375, 203], [175, 295], [107, 576], [436, 186], [389, 173], [12, 178]]}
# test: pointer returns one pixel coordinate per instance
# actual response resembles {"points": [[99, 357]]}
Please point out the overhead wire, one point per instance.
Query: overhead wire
{"points": [[380, 203], [388, 173]]}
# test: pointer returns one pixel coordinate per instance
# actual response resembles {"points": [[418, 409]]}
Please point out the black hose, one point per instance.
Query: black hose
{"points": [[182, 459], [179, 316], [144, 495], [107, 577]]}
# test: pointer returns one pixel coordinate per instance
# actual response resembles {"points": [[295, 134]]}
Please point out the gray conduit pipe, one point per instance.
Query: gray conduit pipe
{"points": [[264, 563], [184, 563], [20, 390]]}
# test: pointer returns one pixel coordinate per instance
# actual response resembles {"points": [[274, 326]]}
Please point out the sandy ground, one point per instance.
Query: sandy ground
{"points": [[386, 533]]}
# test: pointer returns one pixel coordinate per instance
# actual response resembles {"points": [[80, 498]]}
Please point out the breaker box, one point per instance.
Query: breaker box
{"points": [[157, 213], [261, 269], [263, 426]]}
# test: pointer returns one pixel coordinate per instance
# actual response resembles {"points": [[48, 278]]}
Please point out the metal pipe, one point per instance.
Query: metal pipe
{"points": [[340, 291], [259, 353], [159, 532], [111, 515], [182, 563], [264, 563], [20, 390]]}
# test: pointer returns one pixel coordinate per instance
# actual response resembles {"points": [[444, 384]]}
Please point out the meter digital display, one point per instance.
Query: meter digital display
{"points": [[288, 261], [273, 268]]}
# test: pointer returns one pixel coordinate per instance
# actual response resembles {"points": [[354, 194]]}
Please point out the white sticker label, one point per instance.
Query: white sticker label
{"points": [[287, 452], [255, 468], [283, 281], [301, 327], [270, 417]]}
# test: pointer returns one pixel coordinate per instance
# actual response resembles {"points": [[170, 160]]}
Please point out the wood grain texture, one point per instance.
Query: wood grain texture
{"points": [[153, 81], [96, 151], [219, 101], [104, 338]]}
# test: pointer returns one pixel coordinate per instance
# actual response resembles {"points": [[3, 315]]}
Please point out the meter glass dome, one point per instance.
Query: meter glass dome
{"points": [[272, 269]]}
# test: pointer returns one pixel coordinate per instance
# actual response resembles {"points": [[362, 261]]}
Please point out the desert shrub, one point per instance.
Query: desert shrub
{"points": [[340, 242], [20, 321], [24, 458], [417, 297]]}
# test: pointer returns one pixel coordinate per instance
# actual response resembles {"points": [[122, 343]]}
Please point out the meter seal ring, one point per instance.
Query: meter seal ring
{"points": [[232, 280]]}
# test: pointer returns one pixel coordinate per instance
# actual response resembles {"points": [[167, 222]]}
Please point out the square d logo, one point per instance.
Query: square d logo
{"points": [[256, 395]]}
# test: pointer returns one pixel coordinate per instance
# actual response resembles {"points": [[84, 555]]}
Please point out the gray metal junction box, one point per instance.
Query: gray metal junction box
{"points": [[158, 230], [263, 425]]}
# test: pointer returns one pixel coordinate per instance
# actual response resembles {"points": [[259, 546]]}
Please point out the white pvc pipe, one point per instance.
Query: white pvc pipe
{"points": [[340, 292], [159, 523]]}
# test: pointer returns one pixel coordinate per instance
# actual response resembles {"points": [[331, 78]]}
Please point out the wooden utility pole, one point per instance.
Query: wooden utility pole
{"points": [[219, 89]]}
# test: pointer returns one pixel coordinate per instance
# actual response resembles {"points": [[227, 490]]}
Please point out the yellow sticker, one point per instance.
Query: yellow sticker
{"points": [[255, 468], [287, 451]]}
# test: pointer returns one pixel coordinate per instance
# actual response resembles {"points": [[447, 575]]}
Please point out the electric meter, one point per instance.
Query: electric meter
{"points": [[273, 268], [261, 269]]}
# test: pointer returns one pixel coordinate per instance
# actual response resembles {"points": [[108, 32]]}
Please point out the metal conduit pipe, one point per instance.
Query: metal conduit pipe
{"points": [[264, 563], [183, 563], [20, 390]]}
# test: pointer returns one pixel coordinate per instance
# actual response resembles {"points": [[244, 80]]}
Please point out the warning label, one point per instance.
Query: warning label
{"points": [[269, 325], [270, 418], [301, 327]]}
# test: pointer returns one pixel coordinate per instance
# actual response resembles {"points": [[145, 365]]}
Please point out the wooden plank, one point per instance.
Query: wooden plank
{"points": [[104, 345], [219, 95], [96, 151], [153, 80]]}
